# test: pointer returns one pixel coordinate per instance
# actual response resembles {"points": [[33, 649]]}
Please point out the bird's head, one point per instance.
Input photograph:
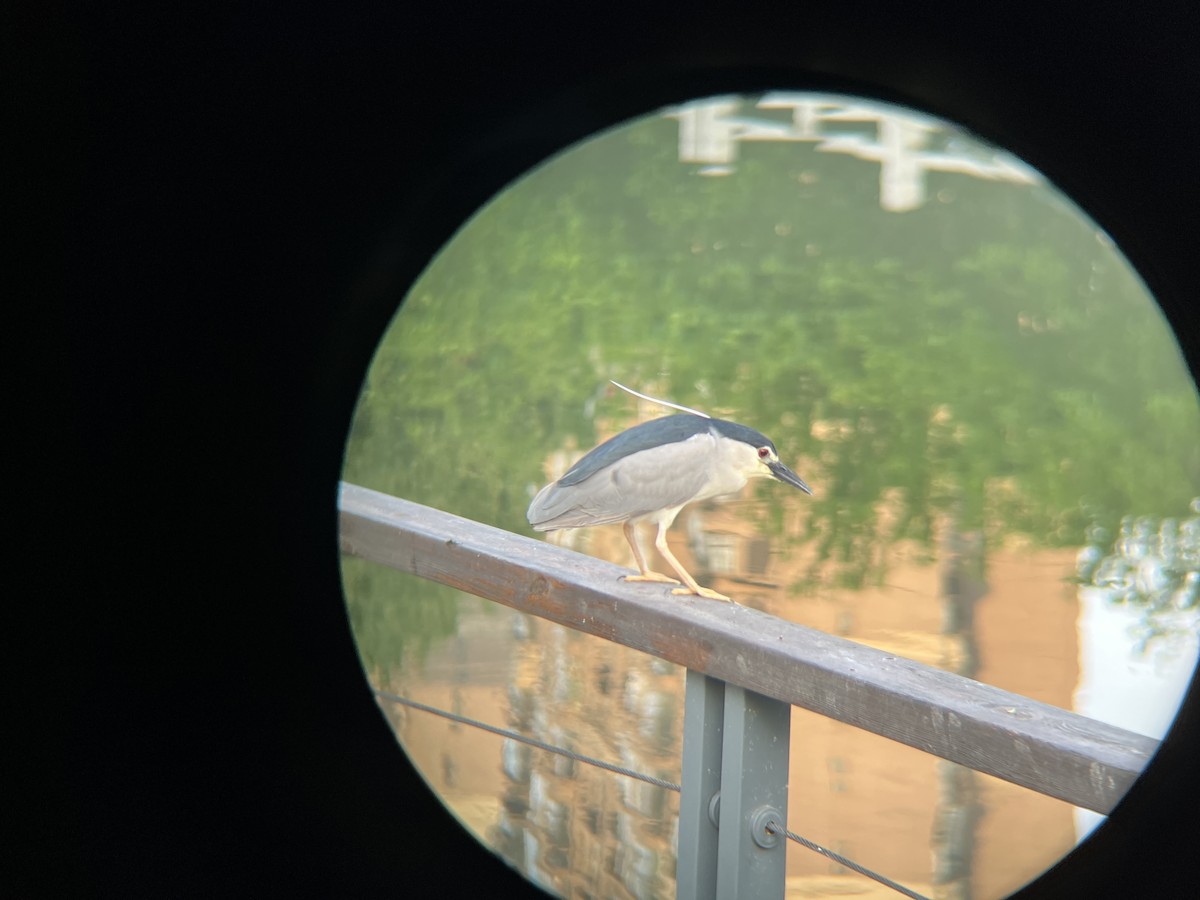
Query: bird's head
{"points": [[755, 455]]}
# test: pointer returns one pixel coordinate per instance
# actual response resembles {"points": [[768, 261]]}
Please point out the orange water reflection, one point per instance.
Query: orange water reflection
{"points": [[582, 831]]}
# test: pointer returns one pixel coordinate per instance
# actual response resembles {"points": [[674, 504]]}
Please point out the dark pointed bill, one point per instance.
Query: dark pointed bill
{"points": [[786, 475]]}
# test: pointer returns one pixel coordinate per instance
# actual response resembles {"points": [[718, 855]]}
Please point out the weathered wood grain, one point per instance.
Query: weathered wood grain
{"points": [[1041, 747]]}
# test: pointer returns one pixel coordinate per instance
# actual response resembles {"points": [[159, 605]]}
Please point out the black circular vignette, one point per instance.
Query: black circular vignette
{"points": [[245, 197]]}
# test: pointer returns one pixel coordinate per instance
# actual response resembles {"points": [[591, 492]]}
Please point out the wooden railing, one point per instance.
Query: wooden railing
{"points": [[1046, 749]]}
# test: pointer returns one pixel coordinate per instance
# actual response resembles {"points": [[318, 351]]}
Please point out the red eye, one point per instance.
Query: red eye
{"points": [[763, 452]]}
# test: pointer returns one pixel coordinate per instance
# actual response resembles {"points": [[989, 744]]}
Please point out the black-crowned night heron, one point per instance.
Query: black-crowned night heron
{"points": [[650, 472]]}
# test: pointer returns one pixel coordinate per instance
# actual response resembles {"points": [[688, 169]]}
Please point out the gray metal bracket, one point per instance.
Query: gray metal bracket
{"points": [[733, 807]]}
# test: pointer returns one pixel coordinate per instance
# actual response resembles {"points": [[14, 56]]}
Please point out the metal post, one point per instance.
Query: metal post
{"points": [[733, 808], [703, 715], [752, 856]]}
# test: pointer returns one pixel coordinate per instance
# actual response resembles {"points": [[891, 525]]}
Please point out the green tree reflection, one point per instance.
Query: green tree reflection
{"points": [[989, 351]]}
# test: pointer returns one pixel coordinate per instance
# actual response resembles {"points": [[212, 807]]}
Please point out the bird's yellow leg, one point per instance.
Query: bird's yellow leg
{"points": [[703, 592], [646, 573], [692, 587]]}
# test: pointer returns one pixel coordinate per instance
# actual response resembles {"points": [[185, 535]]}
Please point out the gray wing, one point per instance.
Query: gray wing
{"points": [[662, 477], [667, 430]]}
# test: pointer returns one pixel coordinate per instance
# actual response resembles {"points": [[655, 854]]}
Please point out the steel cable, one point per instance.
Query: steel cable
{"points": [[629, 773]]}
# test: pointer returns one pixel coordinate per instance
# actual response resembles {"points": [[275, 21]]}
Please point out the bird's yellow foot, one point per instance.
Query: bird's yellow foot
{"points": [[703, 592], [657, 577]]}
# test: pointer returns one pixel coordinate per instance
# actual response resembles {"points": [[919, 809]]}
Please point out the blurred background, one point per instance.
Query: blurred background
{"points": [[1001, 434]]}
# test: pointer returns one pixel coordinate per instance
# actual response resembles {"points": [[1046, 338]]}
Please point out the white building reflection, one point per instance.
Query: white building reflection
{"points": [[905, 144]]}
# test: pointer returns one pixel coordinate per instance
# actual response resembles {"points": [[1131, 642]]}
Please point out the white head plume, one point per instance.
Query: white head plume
{"points": [[694, 412]]}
